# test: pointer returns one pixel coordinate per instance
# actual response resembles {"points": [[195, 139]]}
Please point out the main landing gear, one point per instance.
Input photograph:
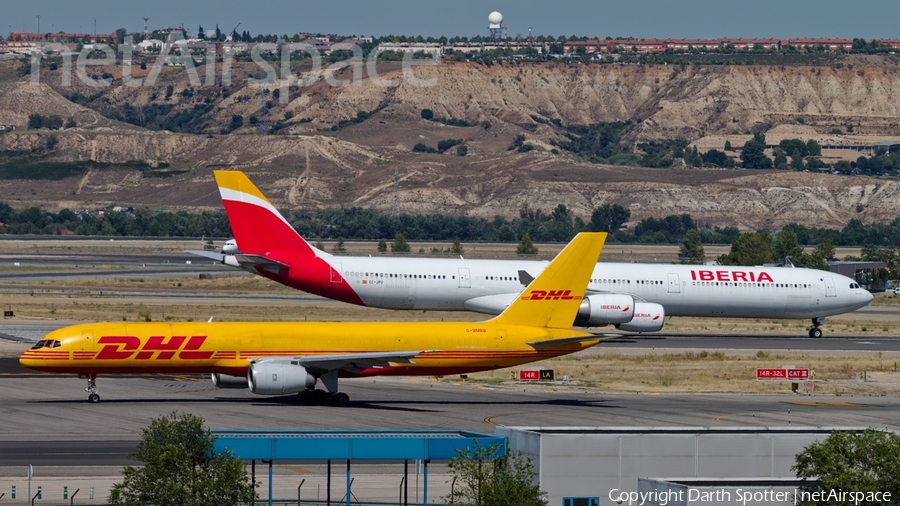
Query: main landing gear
{"points": [[93, 396], [815, 332], [329, 397], [322, 397]]}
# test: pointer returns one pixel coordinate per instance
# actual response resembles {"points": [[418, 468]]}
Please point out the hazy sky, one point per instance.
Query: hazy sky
{"points": [[648, 18]]}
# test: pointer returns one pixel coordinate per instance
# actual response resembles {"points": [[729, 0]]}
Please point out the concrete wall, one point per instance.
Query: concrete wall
{"points": [[592, 462]]}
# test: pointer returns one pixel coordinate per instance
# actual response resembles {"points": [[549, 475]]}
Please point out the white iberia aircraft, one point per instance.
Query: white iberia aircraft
{"points": [[633, 297]]}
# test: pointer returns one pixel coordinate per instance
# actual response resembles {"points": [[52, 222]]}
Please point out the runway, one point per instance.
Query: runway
{"points": [[664, 341], [47, 418]]}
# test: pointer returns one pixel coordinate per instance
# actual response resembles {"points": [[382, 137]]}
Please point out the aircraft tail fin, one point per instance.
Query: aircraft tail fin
{"points": [[257, 226], [553, 298]]}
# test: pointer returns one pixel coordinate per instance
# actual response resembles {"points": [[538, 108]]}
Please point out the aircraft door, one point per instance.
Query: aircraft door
{"points": [[336, 273], [465, 279], [829, 287], [674, 286]]}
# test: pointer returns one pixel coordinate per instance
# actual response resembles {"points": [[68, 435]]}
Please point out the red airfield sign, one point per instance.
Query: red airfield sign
{"points": [[780, 373], [769, 373], [529, 375]]}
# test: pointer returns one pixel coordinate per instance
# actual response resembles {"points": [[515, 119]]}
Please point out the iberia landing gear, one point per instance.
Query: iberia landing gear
{"points": [[815, 332], [91, 389]]}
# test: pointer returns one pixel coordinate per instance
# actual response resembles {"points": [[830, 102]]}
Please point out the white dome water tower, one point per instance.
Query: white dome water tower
{"points": [[495, 25]]}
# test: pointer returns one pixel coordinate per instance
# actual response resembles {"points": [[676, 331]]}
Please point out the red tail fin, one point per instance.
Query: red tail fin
{"points": [[257, 226]]}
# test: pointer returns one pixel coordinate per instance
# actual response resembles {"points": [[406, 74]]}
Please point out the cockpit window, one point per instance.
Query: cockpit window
{"points": [[46, 343], [854, 286]]}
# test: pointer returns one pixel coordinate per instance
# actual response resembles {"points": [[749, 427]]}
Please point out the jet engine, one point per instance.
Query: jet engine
{"points": [[605, 309], [278, 377], [226, 381], [648, 317]]}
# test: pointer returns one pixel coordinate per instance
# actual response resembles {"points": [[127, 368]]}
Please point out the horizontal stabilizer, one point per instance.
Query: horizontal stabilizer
{"points": [[258, 261], [549, 343], [212, 255]]}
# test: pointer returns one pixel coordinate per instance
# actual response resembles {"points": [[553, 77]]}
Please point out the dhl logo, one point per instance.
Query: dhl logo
{"points": [[125, 347], [550, 295]]}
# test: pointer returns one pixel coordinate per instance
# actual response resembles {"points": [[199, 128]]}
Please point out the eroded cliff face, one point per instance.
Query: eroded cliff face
{"points": [[306, 165]]}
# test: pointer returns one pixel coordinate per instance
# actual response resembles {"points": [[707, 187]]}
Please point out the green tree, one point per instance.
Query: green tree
{"points": [[382, 246], [462, 150], [814, 148], [715, 157], [786, 245], [485, 477], [865, 461], [427, 114], [608, 218], [728, 146], [456, 248], [53, 122], [825, 249], [780, 158], [796, 160], [752, 248], [526, 247], [399, 245], [35, 121], [753, 155], [181, 466], [339, 246], [691, 251]]}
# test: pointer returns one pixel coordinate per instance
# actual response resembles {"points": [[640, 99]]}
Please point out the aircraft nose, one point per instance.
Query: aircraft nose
{"points": [[26, 359], [869, 297]]}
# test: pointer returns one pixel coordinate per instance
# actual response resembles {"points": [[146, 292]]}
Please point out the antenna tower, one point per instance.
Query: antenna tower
{"points": [[395, 209], [146, 32]]}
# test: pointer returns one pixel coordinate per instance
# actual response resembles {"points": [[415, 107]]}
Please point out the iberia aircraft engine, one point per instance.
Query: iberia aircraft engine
{"points": [[605, 309], [278, 377], [648, 317]]}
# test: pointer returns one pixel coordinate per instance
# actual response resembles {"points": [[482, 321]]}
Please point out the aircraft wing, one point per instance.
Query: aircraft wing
{"points": [[348, 361]]}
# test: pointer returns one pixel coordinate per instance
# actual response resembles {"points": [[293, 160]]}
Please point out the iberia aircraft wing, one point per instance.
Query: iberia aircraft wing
{"points": [[350, 361]]}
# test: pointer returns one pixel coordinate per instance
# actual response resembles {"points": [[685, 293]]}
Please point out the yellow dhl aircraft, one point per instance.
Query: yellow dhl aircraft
{"points": [[278, 358]]}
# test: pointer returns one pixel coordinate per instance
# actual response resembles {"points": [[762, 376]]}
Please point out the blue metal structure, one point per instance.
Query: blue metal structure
{"points": [[405, 445]]}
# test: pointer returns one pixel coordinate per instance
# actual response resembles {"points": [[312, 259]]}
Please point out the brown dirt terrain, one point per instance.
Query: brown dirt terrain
{"points": [[308, 166]]}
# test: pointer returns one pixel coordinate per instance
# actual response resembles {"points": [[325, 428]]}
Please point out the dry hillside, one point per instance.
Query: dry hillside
{"points": [[305, 164]]}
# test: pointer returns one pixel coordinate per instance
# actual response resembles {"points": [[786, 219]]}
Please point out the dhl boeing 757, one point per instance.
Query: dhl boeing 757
{"points": [[286, 358], [633, 297]]}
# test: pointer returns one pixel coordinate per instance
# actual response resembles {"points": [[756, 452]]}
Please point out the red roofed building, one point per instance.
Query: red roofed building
{"points": [[829, 44]]}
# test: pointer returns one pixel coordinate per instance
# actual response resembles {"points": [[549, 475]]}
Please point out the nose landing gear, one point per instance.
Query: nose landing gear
{"points": [[93, 396], [815, 332]]}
